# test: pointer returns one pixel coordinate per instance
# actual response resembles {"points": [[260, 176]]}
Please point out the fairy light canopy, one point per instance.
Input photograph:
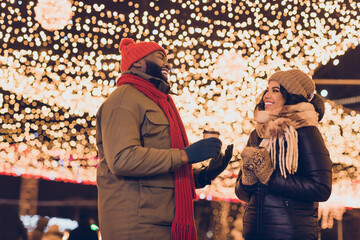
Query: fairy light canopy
{"points": [[59, 61], [53, 14]]}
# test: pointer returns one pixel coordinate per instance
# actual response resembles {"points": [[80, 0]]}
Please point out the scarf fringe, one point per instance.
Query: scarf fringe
{"points": [[183, 231], [287, 150], [279, 136]]}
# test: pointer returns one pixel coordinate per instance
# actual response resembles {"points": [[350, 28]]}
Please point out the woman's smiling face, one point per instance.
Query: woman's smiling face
{"points": [[273, 98]]}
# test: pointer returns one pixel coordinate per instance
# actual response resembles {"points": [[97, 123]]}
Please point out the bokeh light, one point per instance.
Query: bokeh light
{"points": [[53, 14], [54, 76]]}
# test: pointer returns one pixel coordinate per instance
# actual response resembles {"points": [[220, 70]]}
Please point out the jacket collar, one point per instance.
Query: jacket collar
{"points": [[160, 84]]}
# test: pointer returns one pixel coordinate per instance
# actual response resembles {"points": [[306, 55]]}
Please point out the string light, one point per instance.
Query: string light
{"points": [[56, 74], [53, 14]]}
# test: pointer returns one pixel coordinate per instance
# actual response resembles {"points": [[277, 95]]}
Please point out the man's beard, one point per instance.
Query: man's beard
{"points": [[154, 70]]}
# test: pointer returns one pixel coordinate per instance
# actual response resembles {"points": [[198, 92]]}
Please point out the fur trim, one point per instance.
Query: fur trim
{"points": [[278, 131], [262, 116]]}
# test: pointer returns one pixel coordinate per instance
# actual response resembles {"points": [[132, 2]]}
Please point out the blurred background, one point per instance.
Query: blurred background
{"points": [[59, 60]]}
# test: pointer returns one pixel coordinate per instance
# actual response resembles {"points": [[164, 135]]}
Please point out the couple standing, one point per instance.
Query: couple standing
{"points": [[145, 180]]}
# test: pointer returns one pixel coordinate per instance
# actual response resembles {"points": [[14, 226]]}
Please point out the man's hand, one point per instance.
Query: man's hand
{"points": [[216, 166], [203, 150]]}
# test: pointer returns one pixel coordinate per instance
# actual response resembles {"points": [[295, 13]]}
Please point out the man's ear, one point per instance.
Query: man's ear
{"points": [[139, 63]]}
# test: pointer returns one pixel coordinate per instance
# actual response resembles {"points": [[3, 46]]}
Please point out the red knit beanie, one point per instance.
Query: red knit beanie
{"points": [[132, 52]]}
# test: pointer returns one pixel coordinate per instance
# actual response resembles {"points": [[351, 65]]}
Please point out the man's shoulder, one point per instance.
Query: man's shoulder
{"points": [[127, 97], [125, 90], [125, 94]]}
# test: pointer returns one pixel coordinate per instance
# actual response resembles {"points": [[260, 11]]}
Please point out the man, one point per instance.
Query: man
{"points": [[144, 178]]}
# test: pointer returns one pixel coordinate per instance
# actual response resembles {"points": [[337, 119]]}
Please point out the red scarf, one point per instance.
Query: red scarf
{"points": [[183, 226]]}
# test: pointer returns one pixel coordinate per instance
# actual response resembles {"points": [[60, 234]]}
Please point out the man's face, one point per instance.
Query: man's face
{"points": [[157, 65]]}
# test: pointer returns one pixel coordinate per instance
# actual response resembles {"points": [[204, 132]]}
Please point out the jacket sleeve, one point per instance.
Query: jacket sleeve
{"points": [[244, 192], [120, 131], [312, 182]]}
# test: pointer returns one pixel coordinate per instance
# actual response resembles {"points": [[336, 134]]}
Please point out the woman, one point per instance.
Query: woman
{"points": [[286, 168]]}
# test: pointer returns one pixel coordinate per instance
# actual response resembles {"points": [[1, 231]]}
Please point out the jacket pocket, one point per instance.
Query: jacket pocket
{"points": [[157, 118], [154, 123], [157, 203], [155, 130]]}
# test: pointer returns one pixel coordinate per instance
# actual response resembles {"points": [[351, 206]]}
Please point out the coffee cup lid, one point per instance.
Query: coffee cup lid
{"points": [[211, 132]]}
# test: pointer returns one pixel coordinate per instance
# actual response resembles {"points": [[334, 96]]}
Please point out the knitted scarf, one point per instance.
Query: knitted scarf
{"points": [[183, 226], [277, 129]]}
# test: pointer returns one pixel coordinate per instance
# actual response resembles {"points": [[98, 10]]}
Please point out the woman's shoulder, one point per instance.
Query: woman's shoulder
{"points": [[308, 130], [311, 138], [309, 133], [254, 139]]}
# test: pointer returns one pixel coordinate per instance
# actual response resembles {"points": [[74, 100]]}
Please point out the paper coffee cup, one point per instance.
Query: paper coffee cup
{"points": [[209, 134]]}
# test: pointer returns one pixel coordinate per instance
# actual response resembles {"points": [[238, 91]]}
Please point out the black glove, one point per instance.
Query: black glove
{"points": [[216, 166], [203, 149]]}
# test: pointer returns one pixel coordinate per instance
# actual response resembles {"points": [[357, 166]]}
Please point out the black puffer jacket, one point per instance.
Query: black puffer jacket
{"points": [[287, 208]]}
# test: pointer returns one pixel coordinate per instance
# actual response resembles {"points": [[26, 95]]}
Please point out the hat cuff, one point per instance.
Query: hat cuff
{"points": [[136, 51]]}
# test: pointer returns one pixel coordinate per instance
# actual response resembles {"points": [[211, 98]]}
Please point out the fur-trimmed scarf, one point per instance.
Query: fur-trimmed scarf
{"points": [[277, 129]]}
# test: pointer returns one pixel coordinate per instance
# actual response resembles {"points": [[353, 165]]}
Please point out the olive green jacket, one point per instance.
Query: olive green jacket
{"points": [[135, 173]]}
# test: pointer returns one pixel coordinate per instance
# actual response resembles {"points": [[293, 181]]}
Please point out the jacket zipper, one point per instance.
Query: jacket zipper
{"points": [[260, 210], [290, 213]]}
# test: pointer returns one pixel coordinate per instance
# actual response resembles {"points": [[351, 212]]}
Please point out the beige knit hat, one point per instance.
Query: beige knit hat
{"points": [[295, 81]]}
